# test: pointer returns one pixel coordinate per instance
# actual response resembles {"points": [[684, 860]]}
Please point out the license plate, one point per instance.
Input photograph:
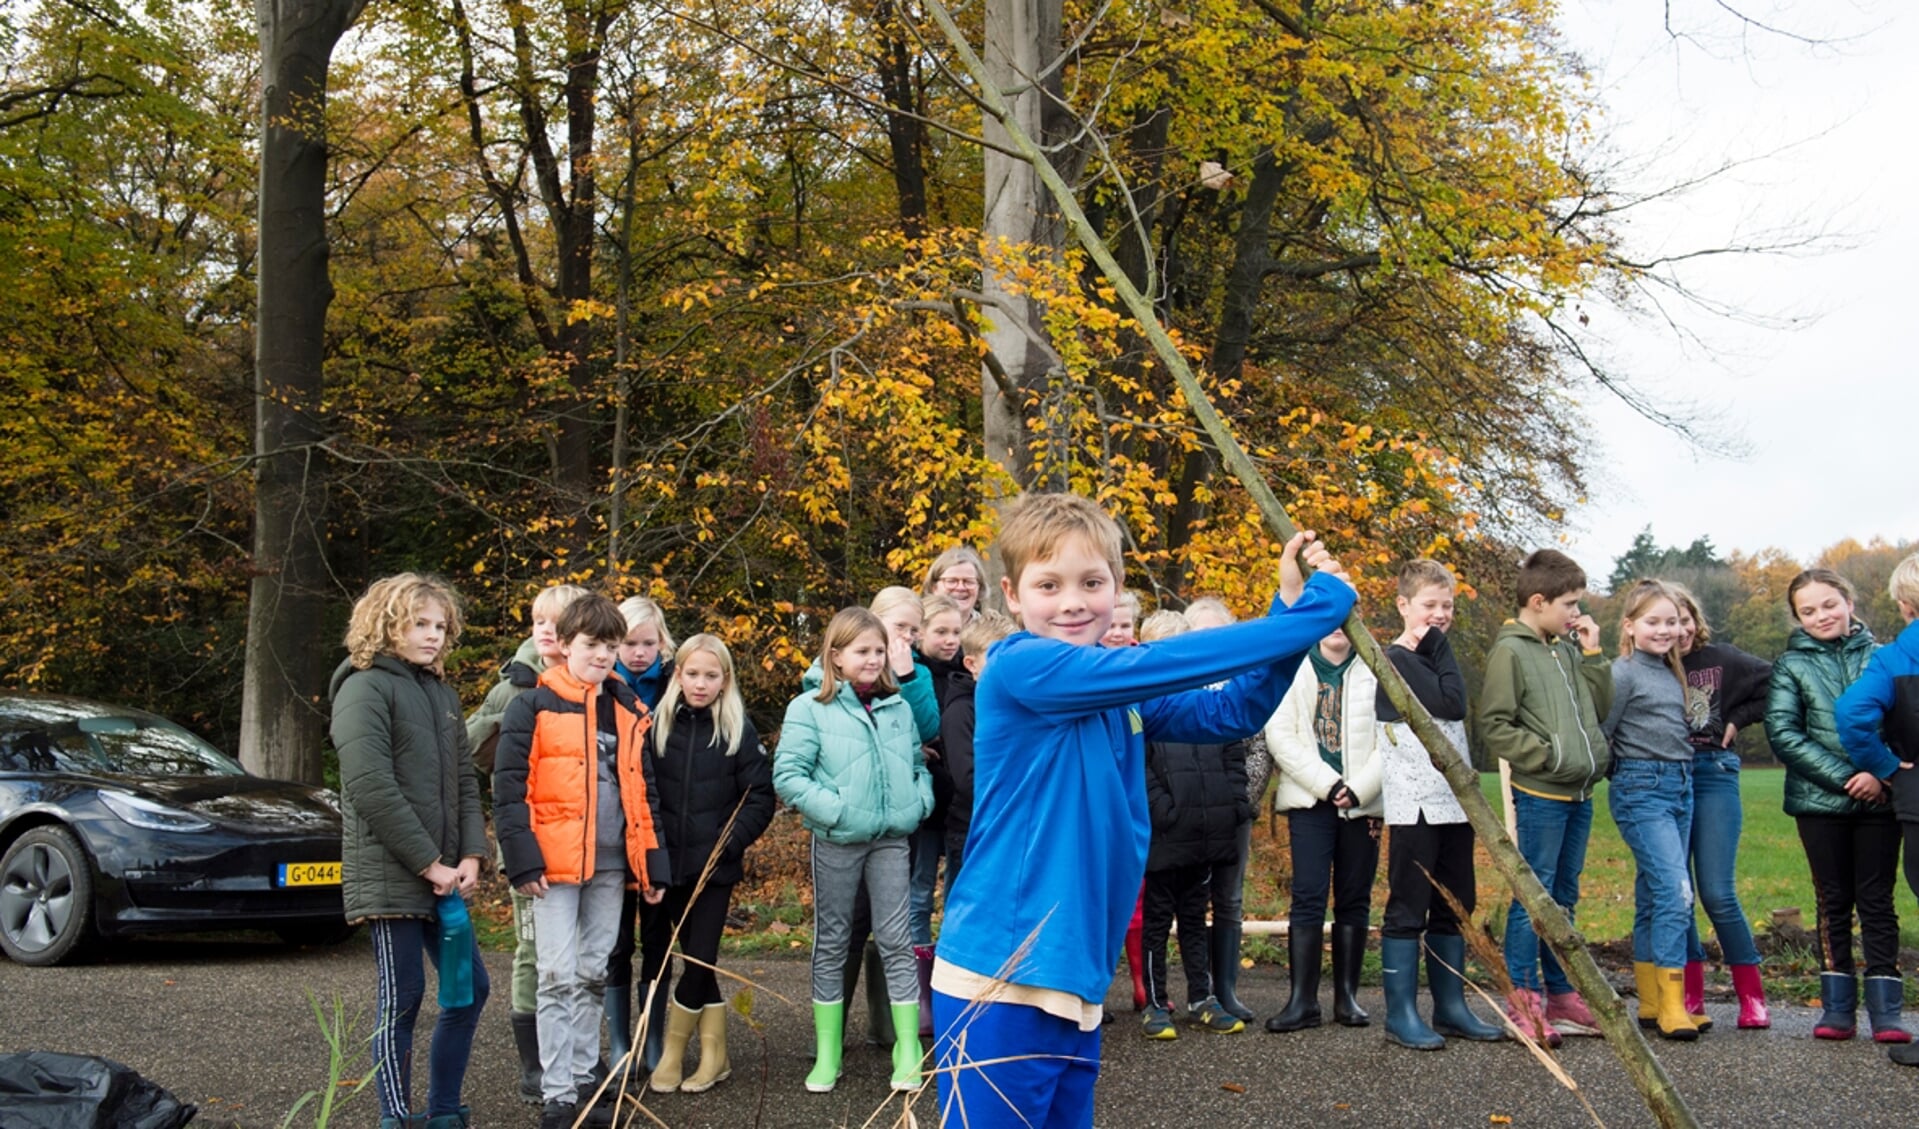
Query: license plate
{"points": [[309, 874]]}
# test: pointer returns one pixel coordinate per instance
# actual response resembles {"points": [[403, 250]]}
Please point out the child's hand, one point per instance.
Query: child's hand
{"points": [[1321, 559], [1586, 630], [899, 652], [534, 889], [442, 877], [1732, 732], [469, 875], [1865, 787], [653, 896], [1292, 581]]}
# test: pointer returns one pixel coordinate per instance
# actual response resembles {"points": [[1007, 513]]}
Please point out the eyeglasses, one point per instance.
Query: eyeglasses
{"points": [[958, 582]]}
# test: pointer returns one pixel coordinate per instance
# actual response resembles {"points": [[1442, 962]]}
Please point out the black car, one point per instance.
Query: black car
{"points": [[114, 821]]}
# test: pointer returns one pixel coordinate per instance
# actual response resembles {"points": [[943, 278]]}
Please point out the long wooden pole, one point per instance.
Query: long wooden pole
{"points": [[1554, 927]]}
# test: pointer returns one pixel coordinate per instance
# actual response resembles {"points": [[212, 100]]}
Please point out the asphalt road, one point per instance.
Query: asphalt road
{"points": [[228, 1025]]}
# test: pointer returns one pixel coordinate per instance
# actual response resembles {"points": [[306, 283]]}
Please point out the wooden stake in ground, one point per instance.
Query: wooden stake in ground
{"points": [[1555, 929]]}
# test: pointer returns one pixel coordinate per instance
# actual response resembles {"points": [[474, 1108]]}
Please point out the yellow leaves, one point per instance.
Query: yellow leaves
{"points": [[586, 310]]}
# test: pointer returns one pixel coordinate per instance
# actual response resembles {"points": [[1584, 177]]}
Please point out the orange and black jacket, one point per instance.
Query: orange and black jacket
{"points": [[546, 784]]}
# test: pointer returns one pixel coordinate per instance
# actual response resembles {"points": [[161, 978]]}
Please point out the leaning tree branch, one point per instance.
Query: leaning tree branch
{"points": [[1622, 1031]]}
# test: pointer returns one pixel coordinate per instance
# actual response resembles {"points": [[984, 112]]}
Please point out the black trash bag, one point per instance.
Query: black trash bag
{"points": [[45, 1090]]}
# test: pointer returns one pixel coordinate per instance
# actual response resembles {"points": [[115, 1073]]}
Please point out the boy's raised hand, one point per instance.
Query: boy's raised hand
{"points": [[1292, 579]]}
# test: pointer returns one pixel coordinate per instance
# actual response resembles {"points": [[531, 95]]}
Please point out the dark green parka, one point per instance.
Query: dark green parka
{"points": [[1806, 681], [408, 794]]}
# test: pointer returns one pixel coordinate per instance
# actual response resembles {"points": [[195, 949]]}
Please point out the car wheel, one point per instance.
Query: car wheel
{"points": [[46, 896], [316, 935]]}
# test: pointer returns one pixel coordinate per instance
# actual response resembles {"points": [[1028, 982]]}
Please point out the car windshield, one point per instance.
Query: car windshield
{"points": [[128, 744]]}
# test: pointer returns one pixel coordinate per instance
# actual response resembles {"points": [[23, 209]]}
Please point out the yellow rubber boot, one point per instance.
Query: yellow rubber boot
{"points": [[1646, 976], [714, 1067], [1674, 1023], [679, 1029]]}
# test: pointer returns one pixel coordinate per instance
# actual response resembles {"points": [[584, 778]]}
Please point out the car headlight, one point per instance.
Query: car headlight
{"points": [[153, 816]]}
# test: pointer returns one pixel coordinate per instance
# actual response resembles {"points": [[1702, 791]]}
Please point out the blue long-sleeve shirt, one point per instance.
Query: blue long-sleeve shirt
{"points": [[1872, 706], [1060, 825]]}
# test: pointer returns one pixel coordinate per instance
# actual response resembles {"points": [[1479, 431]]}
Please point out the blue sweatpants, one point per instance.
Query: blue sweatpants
{"points": [[1053, 1090]]}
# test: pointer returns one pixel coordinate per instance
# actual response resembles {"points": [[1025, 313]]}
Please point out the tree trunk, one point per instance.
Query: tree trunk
{"points": [[283, 708], [1022, 40], [905, 131]]}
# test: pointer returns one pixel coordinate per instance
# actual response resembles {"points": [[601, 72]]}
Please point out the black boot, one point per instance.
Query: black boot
{"points": [[1302, 1008], [1349, 954], [655, 1023], [526, 1040], [879, 1004], [1226, 967], [617, 1003]]}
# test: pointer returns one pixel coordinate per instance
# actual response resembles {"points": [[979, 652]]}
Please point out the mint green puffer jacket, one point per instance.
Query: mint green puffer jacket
{"points": [[854, 776], [1806, 682]]}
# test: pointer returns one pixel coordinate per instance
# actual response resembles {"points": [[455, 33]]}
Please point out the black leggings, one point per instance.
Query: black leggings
{"points": [[1855, 862], [700, 932], [1179, 892], [1413, 902]]}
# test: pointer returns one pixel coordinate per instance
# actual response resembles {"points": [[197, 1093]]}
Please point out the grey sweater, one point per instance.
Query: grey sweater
{"points": [[1648, 715]]}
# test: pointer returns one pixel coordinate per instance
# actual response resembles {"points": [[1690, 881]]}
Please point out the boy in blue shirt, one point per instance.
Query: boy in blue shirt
{"points": [[1060, 826]]}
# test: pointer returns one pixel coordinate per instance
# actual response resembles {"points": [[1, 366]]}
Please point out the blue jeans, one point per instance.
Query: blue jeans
{"points": [[1717, 816], [397, 945], [1044, 1079], [927, 845], [1552, 838], [1652, 804]]}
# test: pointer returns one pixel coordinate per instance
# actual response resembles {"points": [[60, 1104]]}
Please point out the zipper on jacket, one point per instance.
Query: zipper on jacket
{"points": [[1592, 759], [592, 747]]}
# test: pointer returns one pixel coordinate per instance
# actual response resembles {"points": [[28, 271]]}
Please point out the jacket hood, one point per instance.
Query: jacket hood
{"points": [[1513, 629], [1907, 641], [1859, 637], [561, 681], [388, 663]]}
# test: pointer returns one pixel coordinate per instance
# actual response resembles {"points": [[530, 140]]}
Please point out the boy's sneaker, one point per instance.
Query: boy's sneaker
{"points": [[558, 1115], [1157, 1022], [1569, 1015], [1524, 1010], [1209, 1014]]}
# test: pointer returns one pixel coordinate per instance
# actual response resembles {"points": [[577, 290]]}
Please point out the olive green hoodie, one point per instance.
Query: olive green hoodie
{"points": [[1540, 709]]}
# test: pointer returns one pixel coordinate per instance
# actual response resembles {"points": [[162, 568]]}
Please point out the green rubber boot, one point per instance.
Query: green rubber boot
{"points": [[906, 1047], [828, 1036]]}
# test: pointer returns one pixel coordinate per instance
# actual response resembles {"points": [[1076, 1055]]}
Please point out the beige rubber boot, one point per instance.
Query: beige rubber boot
{"points": [[679, 1029], [714, 1067]]}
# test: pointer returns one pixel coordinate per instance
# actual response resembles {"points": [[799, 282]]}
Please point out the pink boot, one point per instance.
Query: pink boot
{"points": [[1695, 993], [1524, 1009], [1752, 996]]}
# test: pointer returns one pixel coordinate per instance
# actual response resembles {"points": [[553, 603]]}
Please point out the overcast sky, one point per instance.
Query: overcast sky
{"points": [[1827, 410]]}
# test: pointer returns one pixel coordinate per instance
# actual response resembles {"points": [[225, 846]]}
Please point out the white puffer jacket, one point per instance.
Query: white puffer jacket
{"points": [[1305, 779]]}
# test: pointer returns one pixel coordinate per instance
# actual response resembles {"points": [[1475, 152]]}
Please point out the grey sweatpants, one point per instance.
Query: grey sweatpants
{"points": [[838, 869], [576, 926]]}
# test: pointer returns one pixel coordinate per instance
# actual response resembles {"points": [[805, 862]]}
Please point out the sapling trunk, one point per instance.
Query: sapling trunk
{"points": [[1554, 928]]}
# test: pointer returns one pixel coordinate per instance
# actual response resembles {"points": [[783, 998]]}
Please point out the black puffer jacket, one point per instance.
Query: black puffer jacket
{"points": [[956, 735], [1197, 794], [699, 786], [943, 672]]}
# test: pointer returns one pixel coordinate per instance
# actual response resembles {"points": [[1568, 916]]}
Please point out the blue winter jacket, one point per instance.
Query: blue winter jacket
{"points": [[1883, 704], [1060, 825]]}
